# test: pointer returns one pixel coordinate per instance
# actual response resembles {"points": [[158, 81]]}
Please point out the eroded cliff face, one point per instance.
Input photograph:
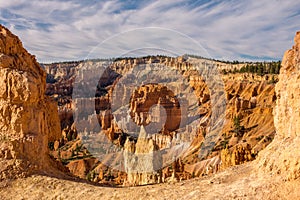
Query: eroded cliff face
{"points": [[28, 118], [283, 155]]}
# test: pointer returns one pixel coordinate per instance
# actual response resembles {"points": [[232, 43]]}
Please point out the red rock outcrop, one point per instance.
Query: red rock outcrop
{"points": [[150, 95]]}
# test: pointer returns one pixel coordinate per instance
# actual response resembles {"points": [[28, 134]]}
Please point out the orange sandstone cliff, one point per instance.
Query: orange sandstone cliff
{"points": [[282, 156], [28, 118]]}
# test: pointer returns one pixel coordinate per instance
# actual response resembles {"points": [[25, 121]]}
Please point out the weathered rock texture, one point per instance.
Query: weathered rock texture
{"points": [[249, 97], [280, 160], [142, 162], [147, 96], [28, 119], [283, 155]]}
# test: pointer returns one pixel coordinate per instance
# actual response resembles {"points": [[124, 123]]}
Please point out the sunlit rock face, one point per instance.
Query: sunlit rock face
{"points": [[158, 98], [142, 161], [28, 119], [283, 155]]}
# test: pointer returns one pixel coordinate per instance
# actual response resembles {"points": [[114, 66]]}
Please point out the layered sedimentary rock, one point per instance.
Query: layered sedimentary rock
{"points": [[29, 123], [283, 155], [143, 163], [145, 107], [249, 97], [28, 119]]}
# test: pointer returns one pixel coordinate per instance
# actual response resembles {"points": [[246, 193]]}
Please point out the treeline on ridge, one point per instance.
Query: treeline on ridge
{"points": [[260, 68]]}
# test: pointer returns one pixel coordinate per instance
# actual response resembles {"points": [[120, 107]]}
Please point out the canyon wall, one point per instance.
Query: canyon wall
{"points": [[282, 156], [28, 119], [250, 99]]}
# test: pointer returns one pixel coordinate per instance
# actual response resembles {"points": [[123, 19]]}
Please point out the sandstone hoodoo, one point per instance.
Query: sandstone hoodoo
{"points": [[28, 119]]}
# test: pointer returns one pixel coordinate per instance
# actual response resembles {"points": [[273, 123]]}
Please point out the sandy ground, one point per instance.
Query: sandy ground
{"points": [[239, 182]]}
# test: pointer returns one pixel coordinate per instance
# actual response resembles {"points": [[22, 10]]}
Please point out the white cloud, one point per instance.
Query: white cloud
{"points": [[67, 30]]}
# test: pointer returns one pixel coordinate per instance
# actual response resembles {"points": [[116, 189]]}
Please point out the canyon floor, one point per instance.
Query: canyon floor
{"points": [[240, 182]]}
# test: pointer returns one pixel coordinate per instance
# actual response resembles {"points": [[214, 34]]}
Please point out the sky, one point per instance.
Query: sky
{"points": [[64, 30]]}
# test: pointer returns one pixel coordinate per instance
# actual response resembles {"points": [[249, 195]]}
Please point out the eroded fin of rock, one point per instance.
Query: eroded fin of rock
{"points": [[28, 119], [282, 156]]}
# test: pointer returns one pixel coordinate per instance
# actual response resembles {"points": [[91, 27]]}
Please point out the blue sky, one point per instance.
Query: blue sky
{"points": [[58, 30]]}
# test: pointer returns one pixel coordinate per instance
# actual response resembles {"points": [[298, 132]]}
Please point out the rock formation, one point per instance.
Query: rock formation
{"points": [[274, 175], [143, 99], [142, 161], [28, 119], [250, 98], [283, 155]]}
